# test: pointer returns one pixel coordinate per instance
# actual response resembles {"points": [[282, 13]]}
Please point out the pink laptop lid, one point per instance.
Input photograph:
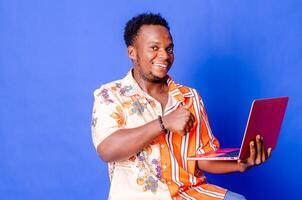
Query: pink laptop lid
{"points": [[265, 119]]}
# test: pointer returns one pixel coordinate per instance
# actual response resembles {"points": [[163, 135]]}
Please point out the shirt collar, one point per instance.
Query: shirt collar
{"points": [[174, 88]]}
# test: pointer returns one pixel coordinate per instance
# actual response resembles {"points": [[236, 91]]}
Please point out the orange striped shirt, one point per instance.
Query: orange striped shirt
{"points": [[122, 104], [184, 180]]}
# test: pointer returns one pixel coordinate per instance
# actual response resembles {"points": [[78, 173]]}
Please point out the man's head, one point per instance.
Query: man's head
{"points": [[133, 26], [150, 46]]}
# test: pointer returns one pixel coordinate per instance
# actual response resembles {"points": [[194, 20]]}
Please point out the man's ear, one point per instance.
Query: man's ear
{"points": [[132, 52]]}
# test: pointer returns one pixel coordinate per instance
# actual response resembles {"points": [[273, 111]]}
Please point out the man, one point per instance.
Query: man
{"points": [[146, 125]]}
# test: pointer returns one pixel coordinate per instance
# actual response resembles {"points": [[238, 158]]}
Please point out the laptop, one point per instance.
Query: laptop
{"points": [[265, 118]]}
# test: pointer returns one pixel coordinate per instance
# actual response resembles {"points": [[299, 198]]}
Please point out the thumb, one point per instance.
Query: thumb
{"points": [[188, 104]]}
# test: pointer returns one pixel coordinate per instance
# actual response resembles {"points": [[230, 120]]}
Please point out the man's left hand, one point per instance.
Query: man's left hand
{"points": [[258, 154]]}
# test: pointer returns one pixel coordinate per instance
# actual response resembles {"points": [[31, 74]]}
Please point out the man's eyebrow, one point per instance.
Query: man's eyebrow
{"points": [[153, 42]]}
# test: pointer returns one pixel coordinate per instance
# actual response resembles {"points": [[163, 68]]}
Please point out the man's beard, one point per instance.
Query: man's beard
{"points": [[152, 78]]}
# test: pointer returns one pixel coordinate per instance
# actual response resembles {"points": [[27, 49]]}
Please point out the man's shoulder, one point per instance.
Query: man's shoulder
{"points": [[187, 91], [108, 87], [122, 87], [190, 92]]}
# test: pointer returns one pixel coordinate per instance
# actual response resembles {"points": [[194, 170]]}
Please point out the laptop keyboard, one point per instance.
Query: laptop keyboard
{"points": [[230, 154]]}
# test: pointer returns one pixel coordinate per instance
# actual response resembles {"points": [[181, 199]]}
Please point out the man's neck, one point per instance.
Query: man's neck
{"points": [[151, 87]]}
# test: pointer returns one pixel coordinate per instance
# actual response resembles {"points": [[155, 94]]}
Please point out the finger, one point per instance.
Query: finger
{"points": [[188, 104], [264, 156], [188, 120], [269, 152], [258, 149], [182, 132], [188, 130], [192, 118], [241, 161], [189, 126], [182, 110], [252, 157]]}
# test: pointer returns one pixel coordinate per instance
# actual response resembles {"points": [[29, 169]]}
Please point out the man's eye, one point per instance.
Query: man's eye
{"points": [[170, 50], [154, 48]]}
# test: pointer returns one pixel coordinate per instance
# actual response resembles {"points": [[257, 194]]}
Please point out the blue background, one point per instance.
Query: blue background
{"points": [[53, 54]]}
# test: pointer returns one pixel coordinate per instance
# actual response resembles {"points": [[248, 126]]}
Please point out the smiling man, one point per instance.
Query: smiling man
{"points": [[146, 125]]}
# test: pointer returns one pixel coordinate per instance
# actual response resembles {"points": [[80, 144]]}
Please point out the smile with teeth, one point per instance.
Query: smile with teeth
{"points": [[161, 65]]}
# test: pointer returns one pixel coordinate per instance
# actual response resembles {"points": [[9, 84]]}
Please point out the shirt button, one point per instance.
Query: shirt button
{"points": [[169, 183], [164, 166], [162, 146]]}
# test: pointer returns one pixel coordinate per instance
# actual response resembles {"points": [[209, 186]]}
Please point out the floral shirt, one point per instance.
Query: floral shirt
{"points": [[160, 170]]}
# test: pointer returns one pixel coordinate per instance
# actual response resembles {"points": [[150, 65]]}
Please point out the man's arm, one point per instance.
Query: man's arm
{"points": [[124, 143], [258, 155]]}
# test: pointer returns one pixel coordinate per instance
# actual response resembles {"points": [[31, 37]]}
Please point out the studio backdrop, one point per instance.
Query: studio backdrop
{"points": [[54, 54]]}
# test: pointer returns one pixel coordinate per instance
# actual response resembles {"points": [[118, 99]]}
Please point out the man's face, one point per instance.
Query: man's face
{"points": [[152, 53]]}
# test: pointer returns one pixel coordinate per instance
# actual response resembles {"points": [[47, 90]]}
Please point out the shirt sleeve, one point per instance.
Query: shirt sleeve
{"points": [[208, 142], [107, 115]]}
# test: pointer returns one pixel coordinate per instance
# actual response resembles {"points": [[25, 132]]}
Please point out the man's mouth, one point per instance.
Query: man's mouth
{"points": [[161, 65]]}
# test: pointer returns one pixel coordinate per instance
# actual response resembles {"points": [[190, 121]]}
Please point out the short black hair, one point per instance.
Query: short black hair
{"points": [[133, 26]]}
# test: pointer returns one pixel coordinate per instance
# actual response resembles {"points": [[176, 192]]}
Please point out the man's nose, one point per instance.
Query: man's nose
{"points": [[163, 54]]}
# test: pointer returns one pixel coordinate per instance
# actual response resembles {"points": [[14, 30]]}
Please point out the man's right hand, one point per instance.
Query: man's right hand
{"points": [[180, 121]]}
